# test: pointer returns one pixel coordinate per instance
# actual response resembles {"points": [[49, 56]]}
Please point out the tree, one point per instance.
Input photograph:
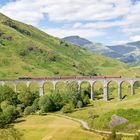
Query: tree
{"points": [[68, 108], [28, 110], [7, 94], [51, 102], [10, 134], [8, 115], [27, 97], [4, 104]]}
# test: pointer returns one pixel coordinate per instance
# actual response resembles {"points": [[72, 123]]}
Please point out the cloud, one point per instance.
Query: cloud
{"points": [[66, 10], [135, 38], [87, 18], [23, 10], [86, 33], [130, 39], [73, 10]]}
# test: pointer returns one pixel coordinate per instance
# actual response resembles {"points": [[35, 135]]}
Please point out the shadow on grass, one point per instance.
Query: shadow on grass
{"points": [[124, 97], [111, 98], [19, 120]]}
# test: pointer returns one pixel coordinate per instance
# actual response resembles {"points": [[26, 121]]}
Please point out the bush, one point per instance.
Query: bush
{"points": [[29, 110], [79, 104], [7, 94], [27, 97], [51, 102], [68, 108], [10, 134], [8, 115], [10, 111], [4, 104], [19, 109], [13, 25]]}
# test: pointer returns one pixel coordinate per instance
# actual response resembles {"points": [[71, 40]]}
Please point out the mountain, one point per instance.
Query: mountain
{"points": [[128, 53], [27, 51], [77, 40]]}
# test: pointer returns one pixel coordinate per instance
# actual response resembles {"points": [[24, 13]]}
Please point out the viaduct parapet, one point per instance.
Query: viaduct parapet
{"points": [[105, 82]]}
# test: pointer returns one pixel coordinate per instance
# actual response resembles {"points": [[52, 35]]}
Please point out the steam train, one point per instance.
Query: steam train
{"points": [[67, 77]]}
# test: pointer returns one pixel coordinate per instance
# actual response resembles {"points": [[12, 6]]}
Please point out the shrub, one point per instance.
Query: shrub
{"points": [[19, 109], [29, 110], [10, 111], [4, 104], [10, 134], [13, 25], [79, 104], [8, 94], [8, 115], [51, 102], [68, 108], [27, 97]]}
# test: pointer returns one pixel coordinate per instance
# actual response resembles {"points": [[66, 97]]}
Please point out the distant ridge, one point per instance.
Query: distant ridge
{"points": [[77, 40], [128, 53]]}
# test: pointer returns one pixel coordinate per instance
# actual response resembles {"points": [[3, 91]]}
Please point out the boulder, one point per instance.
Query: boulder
{"points": [[117, 120]]}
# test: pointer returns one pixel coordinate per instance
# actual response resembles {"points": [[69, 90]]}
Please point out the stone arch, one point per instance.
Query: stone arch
{"points": [[10, 84], [48, 87], [125, 88], [112, 87], [60, 86], [73, 85], [98, 89], [34, 87], [22, 86], [86, 87], [136, 87]]}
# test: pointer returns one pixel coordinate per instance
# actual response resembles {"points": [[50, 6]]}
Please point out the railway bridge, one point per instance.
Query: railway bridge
{"points": [[79, 79]]}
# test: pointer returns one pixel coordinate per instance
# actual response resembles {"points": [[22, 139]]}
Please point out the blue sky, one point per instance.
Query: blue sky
{"points": [[105, 21]]}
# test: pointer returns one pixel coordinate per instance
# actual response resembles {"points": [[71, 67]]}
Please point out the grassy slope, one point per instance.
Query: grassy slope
{"points": [[31, 52], [53, 128], [104, 110]]}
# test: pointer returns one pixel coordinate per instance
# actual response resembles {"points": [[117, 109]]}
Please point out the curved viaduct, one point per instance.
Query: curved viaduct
{"points": [[105, 82]]}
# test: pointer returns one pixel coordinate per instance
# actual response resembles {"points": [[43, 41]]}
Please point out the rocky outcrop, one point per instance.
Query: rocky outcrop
{"points": [[117, 120]]}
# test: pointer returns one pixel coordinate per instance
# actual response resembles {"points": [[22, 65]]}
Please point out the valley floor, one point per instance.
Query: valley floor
{"points": [[53, 128]]}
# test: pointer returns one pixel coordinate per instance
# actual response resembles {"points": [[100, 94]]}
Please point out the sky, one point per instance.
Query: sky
{"points": [[109, 22]]}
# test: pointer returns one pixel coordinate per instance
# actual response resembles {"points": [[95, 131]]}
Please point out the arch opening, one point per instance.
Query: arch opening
{"points": [[48, 87], [125, 89], [22, 87], [60, 87], [98, 90], [10, 85], [136, 87], [112, 90], [72, 86], [34, 87], [85, 89]]}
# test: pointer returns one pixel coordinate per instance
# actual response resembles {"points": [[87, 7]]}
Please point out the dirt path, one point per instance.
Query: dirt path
{"points": [[86, 127]]}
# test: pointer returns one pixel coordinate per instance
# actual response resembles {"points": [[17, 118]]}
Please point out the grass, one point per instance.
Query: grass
{"points": [[53, 128], [104, 110], [27, 51]]}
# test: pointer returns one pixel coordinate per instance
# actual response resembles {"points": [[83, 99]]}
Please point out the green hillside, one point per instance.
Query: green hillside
{"points": [[27, 51]]}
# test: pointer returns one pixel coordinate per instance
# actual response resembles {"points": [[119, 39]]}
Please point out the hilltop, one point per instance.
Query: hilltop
{"points": [[127, 53], [28, 51]]}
